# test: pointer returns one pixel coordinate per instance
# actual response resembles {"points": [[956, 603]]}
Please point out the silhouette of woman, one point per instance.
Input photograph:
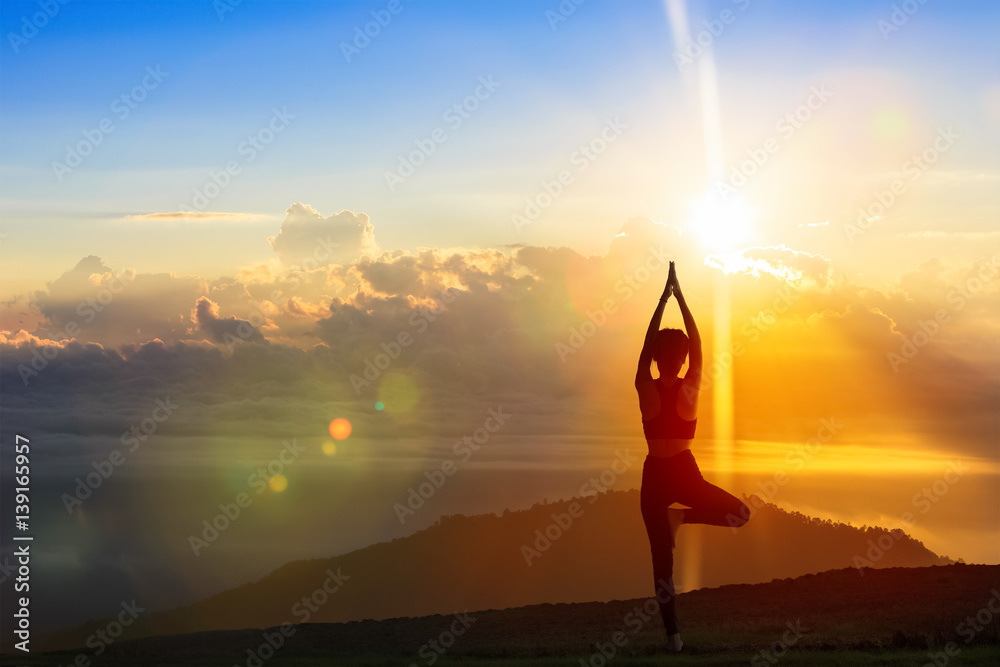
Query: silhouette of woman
{"points": [[669, 406]]}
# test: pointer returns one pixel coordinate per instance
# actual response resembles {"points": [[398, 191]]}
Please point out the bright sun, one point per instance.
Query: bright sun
{"points": [[721, 225]]}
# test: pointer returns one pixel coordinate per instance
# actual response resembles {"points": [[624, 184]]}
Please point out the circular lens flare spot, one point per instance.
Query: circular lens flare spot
{"points": [[379, 405], [340, 428], [278, 483], [330, 448]]}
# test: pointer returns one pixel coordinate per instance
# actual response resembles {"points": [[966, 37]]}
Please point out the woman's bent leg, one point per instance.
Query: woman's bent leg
{"points": [[711, 505]]}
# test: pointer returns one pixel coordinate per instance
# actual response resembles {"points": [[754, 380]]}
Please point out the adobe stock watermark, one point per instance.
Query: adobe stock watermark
{"points": [[302, 609], [987, 270], [967, 629], [912, 170], [30, 25], [463, 449], [99, 641], [562, 12], [751, 329], [88, 309], [899, 17], [796, 459], [103, 469], [259, 481], [121, 108], [786, 126], [454, 116], [547, 536], [363, 35], [431, 651], [581, 158], [419, 321], [773, 653], [628, 285], [248, 149], [924, 500], [223, 7], [634, 621], [704, 38]]}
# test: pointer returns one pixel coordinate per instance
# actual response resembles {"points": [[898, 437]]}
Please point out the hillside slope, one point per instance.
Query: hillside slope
{"points": [[482, 562]]}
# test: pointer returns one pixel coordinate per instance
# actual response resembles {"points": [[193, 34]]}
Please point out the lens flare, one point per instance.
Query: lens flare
{"points": [[278, 483], [379, 405], [340, 428], [330, 448]]}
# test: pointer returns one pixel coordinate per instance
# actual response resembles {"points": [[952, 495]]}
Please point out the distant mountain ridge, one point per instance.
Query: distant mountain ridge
{"points": [[580, 550]]}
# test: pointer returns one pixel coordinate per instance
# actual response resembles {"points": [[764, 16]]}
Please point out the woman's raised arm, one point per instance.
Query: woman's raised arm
{"points": [[687, 398], [642, 374]]}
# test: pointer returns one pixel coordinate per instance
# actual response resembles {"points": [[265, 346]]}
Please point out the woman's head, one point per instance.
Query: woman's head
{"points": [[670, 351]]}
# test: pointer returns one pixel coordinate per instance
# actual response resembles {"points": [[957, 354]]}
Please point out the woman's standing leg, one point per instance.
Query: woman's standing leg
{"points": [[655, 499]]}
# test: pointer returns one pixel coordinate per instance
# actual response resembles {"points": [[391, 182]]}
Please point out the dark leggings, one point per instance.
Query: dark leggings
{"points": [[677, 480]]}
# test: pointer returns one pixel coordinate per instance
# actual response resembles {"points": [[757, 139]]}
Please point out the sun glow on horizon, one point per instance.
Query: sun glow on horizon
{"points": [[791, 458]]}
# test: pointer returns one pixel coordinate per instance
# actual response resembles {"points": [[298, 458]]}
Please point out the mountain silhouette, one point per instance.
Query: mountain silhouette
{"points": [[590, 549]]}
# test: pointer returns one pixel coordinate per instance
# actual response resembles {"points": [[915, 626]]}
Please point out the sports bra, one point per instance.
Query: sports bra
{"points": [[668, 424]]}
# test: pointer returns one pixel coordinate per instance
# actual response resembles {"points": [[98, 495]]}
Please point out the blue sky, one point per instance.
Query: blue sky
{"points": [[353, 120]]}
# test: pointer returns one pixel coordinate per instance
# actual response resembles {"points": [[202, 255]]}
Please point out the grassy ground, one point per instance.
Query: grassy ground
{"points": [[890, 617], [973, 655]]}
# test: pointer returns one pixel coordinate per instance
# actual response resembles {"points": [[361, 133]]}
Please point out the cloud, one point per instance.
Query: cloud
{"points": [[24, 339], [485, 325], [295, 307], [780, 261], [223, 329], [112, 307], [306, 237]]}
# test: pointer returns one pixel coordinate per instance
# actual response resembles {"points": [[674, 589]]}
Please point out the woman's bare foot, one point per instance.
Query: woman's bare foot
{"points": [[674, 643], [675, 517]]}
